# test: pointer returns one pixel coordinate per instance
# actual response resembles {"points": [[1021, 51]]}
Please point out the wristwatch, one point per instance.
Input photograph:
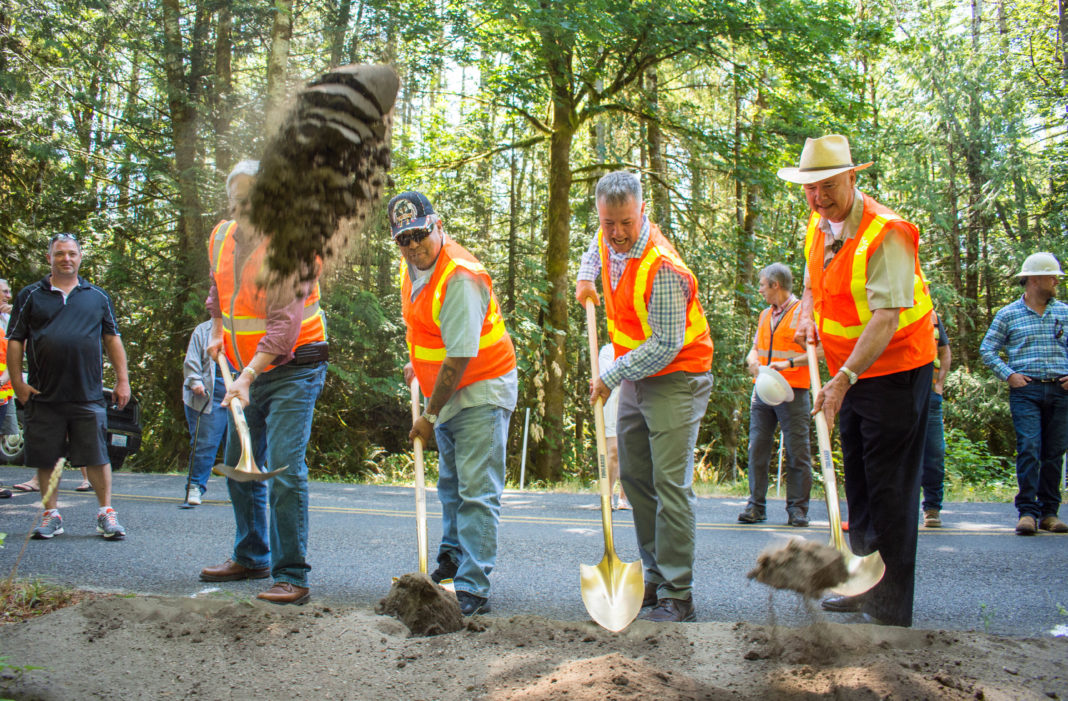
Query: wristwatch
{"points": [[850, 375], [251, 372], [431, 418]]}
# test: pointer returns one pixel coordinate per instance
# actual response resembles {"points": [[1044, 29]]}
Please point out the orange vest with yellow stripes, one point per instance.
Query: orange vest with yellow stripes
{"points": [[426, 347], [840, 300], [780, 345], [627, 306], [6, 392], [243, 301]]}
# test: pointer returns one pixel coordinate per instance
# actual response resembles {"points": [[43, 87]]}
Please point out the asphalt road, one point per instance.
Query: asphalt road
{"points": [[974, 574]]}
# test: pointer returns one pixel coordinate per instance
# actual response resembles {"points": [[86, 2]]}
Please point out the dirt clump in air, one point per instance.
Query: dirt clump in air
{"points": [[804, 566], [422, 606]]}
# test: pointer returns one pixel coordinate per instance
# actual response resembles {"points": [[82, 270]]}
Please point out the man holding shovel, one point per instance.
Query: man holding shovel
{"points": [[463, 357], [866, 298], [663, 353], [279, 342]]}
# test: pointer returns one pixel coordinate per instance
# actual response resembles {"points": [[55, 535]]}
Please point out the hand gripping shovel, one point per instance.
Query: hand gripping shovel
{"points": [[420, 485], [245, 470], [864, 572], [612, 590]]}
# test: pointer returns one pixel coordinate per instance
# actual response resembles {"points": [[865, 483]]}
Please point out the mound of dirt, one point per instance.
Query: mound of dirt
{"points": [[422, 605], [804, 566]]}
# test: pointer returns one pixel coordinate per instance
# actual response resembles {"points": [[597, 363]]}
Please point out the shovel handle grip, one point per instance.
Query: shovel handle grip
{"points": [[823, 437], [420, 485], [598, 421], [236, 408]]}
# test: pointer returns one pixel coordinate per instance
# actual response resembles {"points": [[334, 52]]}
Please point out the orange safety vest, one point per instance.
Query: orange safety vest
{"points": [[6, 392], [243, 301], [779, 344], [627, 306], [840, 301], [426, 347]]}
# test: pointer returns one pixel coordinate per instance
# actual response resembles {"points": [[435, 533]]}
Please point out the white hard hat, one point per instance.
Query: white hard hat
{"points": [[1042, 263], [772, 387]]}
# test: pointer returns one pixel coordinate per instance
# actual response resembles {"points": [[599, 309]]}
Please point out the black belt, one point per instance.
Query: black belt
{"points": [[1033, 379], [311, 353]]}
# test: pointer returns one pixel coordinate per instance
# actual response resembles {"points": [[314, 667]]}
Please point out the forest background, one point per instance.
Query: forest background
{"points": [[120, 120]]}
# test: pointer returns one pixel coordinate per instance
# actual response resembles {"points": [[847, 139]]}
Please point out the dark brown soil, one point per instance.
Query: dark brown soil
{"points": [[804, 566], [417, 602]]}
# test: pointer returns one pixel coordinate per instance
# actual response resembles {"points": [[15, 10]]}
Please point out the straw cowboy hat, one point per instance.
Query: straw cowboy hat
{"points": [[822, 158]]}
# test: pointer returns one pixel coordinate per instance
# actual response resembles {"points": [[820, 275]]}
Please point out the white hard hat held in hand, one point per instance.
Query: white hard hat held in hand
{"points": [[1042, 263], [772, 387]]}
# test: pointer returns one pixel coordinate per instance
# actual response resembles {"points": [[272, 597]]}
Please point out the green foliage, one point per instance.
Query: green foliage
{"points": [[972, 464]]}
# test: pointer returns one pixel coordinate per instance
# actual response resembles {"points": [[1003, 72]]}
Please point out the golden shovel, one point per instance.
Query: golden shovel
{"points": [[245, 470], [420, 484], [612, 590], [864, 572]]}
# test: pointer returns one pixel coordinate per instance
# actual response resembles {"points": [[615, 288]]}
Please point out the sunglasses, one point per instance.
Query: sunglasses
{"points": [[63, 237], [409, 237]]}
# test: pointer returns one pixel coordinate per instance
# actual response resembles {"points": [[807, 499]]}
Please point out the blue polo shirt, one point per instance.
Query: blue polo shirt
{"points": [[63, 339]]}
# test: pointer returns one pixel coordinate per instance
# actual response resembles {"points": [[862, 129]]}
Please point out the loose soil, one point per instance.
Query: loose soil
{"points": [[804, 566], [221, 648]]}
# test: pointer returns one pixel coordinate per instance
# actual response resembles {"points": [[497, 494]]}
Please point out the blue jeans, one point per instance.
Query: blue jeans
{"points": [[206, 433], [934, 456], [470, 481], [794, 419], [279, 415], [1040, 417]]}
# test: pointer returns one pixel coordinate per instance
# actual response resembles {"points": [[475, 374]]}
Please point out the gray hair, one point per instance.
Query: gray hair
{"points": [[618, 187], [246, 167], [780, 274]]}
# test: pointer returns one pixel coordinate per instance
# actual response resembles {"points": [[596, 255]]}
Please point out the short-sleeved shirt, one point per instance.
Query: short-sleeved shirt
{"points": [[63, 339]]}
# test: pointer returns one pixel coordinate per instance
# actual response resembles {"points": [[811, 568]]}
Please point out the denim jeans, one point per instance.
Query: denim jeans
{"points": [[206, 433], [279, 415], [934, 456], [1040, 417], [470, 481], [794, 419]]}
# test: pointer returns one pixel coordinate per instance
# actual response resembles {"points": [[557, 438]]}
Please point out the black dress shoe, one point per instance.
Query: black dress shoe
{"points": [[798, 521], [445, 570], [842, 604], [470, 604], [751, 515], [672, 611], [649, 599]]}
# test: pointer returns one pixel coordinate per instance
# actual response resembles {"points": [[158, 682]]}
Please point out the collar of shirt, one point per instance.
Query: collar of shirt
{"points": [[777, 312], [852, 222]]}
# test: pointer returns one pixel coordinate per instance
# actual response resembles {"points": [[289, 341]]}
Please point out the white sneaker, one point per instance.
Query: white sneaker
{"points": [[192, 495]]}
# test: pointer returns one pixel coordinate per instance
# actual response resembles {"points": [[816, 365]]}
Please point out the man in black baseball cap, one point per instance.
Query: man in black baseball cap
{"points": [[464, 360]]}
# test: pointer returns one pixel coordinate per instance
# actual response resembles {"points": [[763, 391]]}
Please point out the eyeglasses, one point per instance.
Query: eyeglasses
{"points": [[63, 237], [1058, 330], [409, 237]]}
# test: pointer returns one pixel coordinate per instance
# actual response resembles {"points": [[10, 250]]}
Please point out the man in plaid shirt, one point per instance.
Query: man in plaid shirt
{"points": [[663, 353], [1033, 333]]}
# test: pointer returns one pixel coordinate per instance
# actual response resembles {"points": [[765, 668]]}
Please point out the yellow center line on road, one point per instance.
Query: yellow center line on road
{"points": [[564, 520]]}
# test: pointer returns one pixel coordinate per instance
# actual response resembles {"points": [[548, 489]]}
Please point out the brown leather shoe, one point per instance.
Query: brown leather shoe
{"points": [[672, 611], [285, 593], [649, 598], [230, 571], [1026, 525], [932, 518], [1053, 524]]}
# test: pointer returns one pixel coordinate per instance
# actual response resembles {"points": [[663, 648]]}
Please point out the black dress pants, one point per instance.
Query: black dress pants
{"points": [[883, 423]]}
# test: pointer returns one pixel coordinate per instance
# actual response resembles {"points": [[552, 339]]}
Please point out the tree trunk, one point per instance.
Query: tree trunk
{"points": [[340, 18], [658, 182], [223, 92], [277, 62]]}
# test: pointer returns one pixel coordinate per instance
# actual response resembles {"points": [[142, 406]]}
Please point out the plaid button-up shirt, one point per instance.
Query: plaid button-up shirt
{"points": [[1034, 345], [667, 312]]}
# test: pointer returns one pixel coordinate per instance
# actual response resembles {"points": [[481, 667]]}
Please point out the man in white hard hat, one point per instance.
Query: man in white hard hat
{"points": [[1033, 333], [866, 297], [774, 346]]}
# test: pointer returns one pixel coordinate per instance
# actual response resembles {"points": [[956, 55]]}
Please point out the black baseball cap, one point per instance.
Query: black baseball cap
{"points": [[408, 210]]}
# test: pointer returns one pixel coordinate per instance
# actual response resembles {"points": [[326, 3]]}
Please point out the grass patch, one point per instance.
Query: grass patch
{"points": [[28, 598]]}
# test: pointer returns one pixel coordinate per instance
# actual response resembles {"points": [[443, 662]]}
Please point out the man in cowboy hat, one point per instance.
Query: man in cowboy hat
{"points": [[1033, 332], [866, 299]]}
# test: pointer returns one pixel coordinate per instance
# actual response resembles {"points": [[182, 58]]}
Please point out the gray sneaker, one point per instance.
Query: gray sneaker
{"points": [[107, 525], [52, 525], [192, 495]]}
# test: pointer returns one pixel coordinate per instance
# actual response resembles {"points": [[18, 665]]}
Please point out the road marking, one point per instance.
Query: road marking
{"points": [[582, 521]]}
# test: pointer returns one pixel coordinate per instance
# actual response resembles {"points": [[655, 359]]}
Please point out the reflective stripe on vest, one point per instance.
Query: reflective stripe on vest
{"points": [[628, 317], [244, 317], [840, 300], [426, 347], [780, 345]]}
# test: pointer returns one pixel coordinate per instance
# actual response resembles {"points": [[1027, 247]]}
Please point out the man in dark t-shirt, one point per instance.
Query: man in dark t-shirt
{"points": [[61, 322]]}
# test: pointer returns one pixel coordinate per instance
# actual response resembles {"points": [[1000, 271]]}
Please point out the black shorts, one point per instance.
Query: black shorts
{"points": [[76, 430]]}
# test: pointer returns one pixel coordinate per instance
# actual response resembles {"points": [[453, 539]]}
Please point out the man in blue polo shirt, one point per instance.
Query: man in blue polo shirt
{"points": [[1033, 332], [62, 321]]}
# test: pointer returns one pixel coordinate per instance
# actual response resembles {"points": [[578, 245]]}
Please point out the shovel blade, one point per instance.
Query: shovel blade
{"points": [[612, 591], [864, 573], [243, 476]]}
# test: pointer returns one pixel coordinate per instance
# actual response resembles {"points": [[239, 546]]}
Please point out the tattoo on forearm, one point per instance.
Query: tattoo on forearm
{"points": [[448, 378]]}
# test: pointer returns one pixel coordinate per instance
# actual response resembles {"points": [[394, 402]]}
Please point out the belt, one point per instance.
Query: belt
{"points": [[310, 353], [1049, 381]]}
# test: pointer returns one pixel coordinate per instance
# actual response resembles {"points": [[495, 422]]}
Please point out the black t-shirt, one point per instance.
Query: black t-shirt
{"points": [[63, 339]]}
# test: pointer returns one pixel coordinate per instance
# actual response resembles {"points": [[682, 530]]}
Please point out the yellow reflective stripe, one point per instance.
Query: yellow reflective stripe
{"points": [[439, 293], [434, 355], [221, 233], [696, 326], [252, 324], [641, 281], [859, 273]]}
